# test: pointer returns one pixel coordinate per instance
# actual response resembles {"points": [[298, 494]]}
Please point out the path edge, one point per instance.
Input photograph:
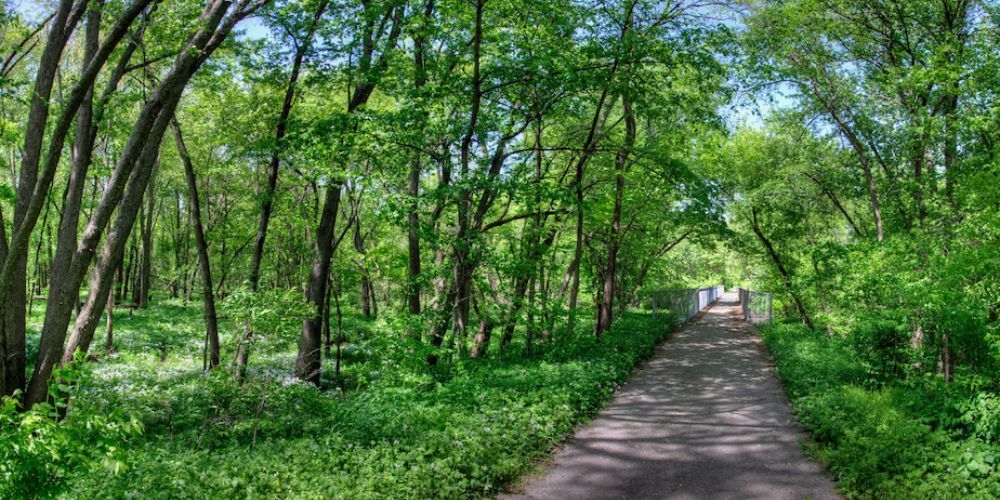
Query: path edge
{"points": [[539, 465]]}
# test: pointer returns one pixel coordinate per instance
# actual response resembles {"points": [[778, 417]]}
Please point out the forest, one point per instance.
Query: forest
{"points": [[404, 248]]}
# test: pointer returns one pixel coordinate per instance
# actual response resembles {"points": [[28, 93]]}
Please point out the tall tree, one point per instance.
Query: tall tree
{"points": [[201, 243]]}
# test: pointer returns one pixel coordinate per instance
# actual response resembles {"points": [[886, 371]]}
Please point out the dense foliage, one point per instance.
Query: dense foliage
{"points": [[867, 199], [910, 438]]}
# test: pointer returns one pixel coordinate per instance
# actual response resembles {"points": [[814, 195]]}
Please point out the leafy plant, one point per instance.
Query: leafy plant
{"points": [[39, 449]]}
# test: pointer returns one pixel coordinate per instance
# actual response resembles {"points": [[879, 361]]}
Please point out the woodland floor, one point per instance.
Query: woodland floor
{"points": [[704, 418]]}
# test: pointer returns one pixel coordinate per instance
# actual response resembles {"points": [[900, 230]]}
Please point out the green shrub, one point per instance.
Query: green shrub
{"points": [[868, 440], [915, 438], [981, 415], [883, 348], [39, 449], [808, 361]]}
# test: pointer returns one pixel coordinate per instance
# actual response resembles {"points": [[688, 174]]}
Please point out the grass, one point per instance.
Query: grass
{"points": [[401, 430]]}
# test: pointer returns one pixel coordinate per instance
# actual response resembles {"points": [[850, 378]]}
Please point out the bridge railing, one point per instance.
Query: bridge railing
{"points": [[683, 303], [757, 307]]}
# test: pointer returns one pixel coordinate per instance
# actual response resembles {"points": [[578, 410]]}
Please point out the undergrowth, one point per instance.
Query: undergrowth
{"points": [[915, 437], [400, 429]]}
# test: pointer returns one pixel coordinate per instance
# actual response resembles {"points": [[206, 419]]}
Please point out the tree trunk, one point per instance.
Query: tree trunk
{"points": [[109, 326], [340, 330], [413, 180], [50, 343], [137, 158], [308, 363], [327, 341], [529, 337], [445, 312], [186, 253], [785, 275], [443, 300], [482, 340], [208, 295], [863, 158], [604, 312], [574, 291], [950, 151], [267, 203], [462, 268], [13, 285], [365, 291], [175, 283], [520, 290], [3, 332], [589, 148], [146, 260]]}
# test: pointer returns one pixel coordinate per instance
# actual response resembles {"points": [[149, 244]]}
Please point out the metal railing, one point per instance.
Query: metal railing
{"points": [[684, 303], [757, 306]]}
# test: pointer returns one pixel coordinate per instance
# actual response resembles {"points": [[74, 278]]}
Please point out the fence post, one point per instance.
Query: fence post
{"points": [[770, 307]]}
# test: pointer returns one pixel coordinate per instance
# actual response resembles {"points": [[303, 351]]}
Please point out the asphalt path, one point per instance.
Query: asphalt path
{"points": [[704, 418]]}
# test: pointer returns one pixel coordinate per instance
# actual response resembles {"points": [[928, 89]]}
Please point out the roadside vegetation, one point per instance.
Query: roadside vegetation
{"points": [[912, 437], [396, 429]]}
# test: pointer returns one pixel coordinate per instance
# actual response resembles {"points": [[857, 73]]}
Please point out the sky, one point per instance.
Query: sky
{"points": [[36, 10]]}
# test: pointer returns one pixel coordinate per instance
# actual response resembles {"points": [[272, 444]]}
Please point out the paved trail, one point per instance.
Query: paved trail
{"points": [[705, 418]]}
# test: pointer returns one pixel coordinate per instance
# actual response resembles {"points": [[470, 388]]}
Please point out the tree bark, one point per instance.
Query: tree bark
{"points": [[413, 180], [13, 288], [482, 340], [327, 340], [110, 324], [366, 297], [443, 300], [340, 329], [604, 312], [308, 363], [208, 295], [146, 260]]}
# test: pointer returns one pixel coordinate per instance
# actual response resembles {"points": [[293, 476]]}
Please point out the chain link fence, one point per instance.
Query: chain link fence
{"points": [[757, 306], [683, 303]]}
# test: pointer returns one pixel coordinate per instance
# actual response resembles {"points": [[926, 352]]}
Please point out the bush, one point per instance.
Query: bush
{"points": [[38, 449], [809, 362], [882, 346], [917, 438], [981, 415]]}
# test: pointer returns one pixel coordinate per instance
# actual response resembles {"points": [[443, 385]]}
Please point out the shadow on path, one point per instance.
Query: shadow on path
{"points": [[704, 418]]}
